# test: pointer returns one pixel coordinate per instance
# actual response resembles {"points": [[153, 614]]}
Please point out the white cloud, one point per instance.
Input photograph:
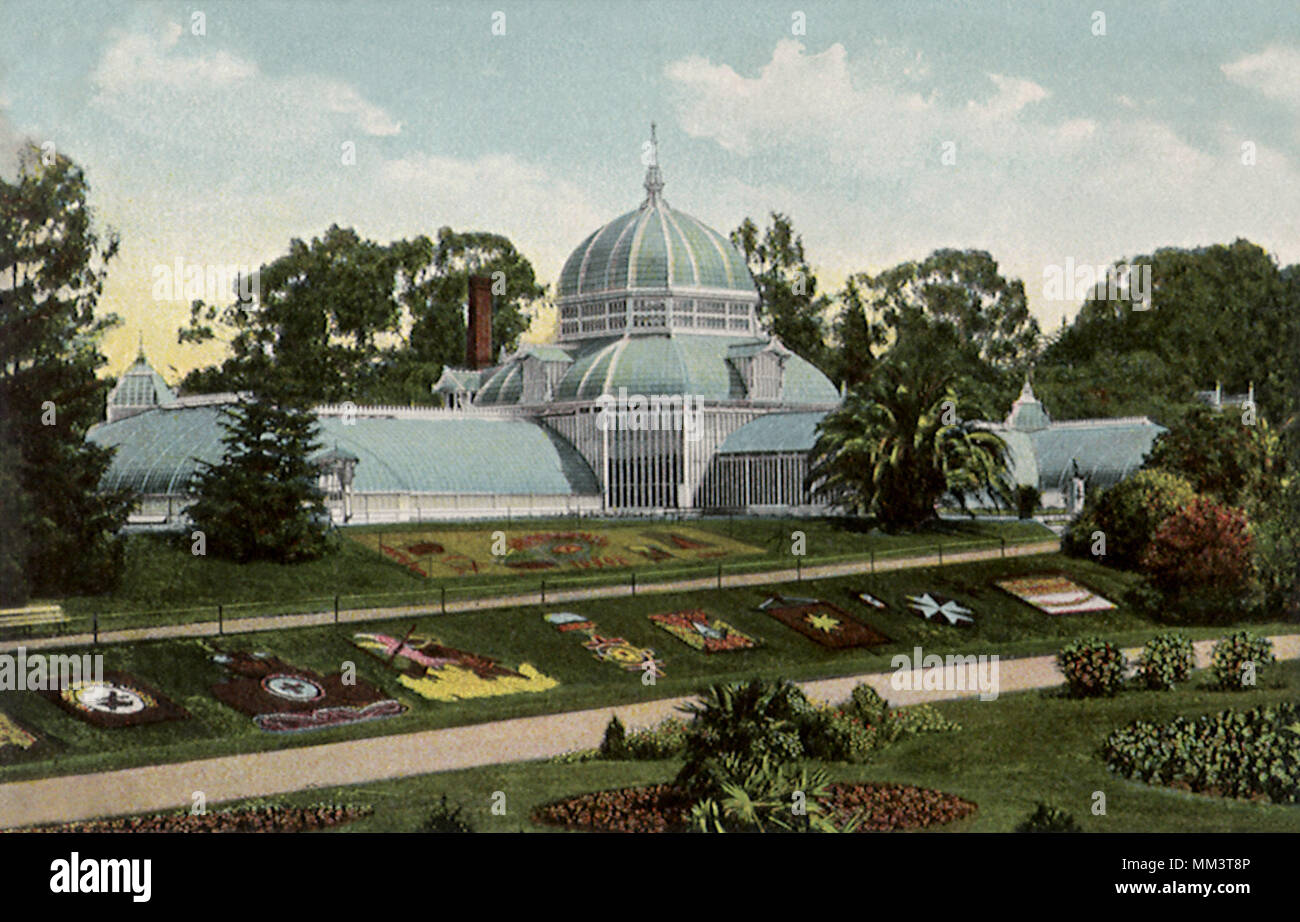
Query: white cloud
{"points": [[158, 86], [1275, 72]]}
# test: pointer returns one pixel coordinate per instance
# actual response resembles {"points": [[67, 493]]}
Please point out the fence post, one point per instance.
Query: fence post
{"points": [[336, 609], [798, 568], [940, 547], [873, 560], [543, 592], [221, 628], [719, 576], [95, 628], [1003, 539], [444, 600], [633, 582]]}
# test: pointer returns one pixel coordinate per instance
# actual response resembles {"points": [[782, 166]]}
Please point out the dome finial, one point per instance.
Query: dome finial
{"points": [[654, 179]]}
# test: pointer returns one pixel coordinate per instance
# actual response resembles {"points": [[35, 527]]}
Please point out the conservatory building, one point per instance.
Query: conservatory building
{"points": [[661, 392]]}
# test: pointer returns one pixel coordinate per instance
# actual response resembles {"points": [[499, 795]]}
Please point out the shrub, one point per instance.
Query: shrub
{"points": [[446, 818], [614, 743], [1128, 514], [1234, 653], [915, 720], [1201, 561], [1049, 819], [832, 735], [1092, 667], [742, 724], [866, 704], [1253, 753], [665, 741], [1166, 661], [761, 797], [1027, 500]]}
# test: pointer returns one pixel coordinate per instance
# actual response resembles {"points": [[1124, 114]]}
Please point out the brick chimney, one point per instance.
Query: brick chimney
{"points": [[478, 334]]}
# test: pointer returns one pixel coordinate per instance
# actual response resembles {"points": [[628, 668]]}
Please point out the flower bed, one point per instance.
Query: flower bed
{"points": [[249, 819], [665, 808], [703, 631], [1252, 754]]}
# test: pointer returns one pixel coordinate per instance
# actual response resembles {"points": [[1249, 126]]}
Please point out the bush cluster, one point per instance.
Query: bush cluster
{"points": [[1047, 818], [1249, 754], [1239, 660], [1166, 660], [1092, 667]]}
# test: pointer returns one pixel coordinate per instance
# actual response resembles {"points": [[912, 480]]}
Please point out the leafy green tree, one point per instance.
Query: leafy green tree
{"points": [[996, 337], [789, 306], [860, 333], [1128, 514], [897, 445], [1215, 314], [1235, 463], [52, 269], [262, 500], [1201, 562], [439, 274], [345, 318]]}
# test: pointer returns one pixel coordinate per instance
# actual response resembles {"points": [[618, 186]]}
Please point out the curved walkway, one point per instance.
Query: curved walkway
{"points": [[169, 787], [316, 619]]}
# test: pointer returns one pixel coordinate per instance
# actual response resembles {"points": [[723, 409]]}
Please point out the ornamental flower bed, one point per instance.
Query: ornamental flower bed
{"points": [[665, 808], [702, 631], [1252, 754], [119, 700], [248, 819], [824, 623], [441, 673]]}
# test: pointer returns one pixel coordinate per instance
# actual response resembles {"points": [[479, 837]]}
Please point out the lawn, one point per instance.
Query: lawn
{"points": [[163, 582], [1009, 754], [182, 669]]}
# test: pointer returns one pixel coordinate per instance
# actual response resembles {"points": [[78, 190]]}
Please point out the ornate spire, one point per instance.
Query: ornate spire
{"points": [[654, 179]]}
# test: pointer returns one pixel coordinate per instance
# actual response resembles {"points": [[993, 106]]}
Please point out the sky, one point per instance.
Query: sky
{"points": [[214, 133]]}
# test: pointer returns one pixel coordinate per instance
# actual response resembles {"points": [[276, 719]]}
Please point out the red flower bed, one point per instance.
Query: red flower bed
{"points": [[256, 819], [665, 808]]}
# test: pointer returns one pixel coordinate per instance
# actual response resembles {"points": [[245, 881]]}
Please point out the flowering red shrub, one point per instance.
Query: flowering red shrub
{"points": [[1201, 560]]}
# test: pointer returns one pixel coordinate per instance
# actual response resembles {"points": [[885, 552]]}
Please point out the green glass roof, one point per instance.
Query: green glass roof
{"points": [[776, 432], [158, 451], [141, 386], [654, 247], [680, 363]]}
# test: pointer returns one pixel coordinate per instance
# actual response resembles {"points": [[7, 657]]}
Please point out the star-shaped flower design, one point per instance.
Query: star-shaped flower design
{"points": [[929, 607], [824, 622]]}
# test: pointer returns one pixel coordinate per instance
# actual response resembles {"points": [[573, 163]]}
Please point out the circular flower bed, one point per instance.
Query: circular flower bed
{"points": [[665, 808], [252, 819], [1251, 754]]}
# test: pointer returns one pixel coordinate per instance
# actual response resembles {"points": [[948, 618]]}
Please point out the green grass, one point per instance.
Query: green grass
{"points": [[1009, 754], [163, 583], [182, 670]]}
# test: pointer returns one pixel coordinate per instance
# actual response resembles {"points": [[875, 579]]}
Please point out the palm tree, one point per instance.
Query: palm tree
{"points": [[896, 446]]}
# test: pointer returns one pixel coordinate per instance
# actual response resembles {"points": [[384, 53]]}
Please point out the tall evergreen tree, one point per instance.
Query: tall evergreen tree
{"points": [[52, 269], [262, 500]]}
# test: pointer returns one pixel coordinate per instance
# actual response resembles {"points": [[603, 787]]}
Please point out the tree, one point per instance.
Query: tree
{"points": [[1234, 463], [262, 500], [1200, 561], [996, 338], [52, 268], [897, 445], [1215, 314], [1127, 515], [345, 318], [789, 306], [439, 274]]}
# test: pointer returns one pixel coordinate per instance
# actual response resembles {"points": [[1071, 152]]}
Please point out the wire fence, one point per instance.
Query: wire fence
{"points": [[445, 596]]}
